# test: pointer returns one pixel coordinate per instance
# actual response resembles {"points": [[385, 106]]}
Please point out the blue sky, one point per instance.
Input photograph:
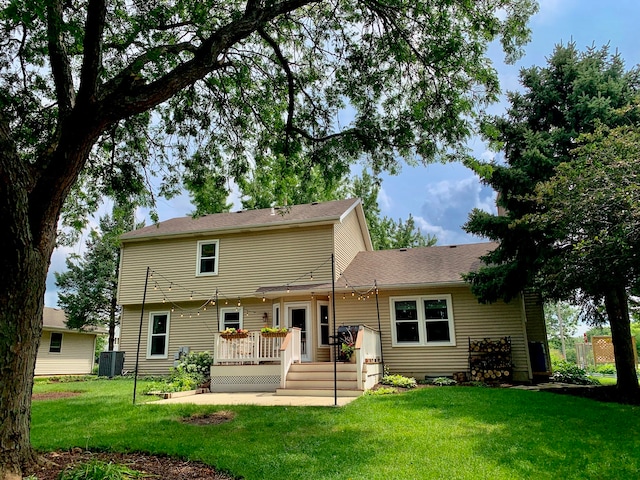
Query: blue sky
{"points": [[440, 196]]}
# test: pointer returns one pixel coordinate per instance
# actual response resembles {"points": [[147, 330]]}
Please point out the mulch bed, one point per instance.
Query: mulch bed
{"points": [[165, 468], [54, 395]]}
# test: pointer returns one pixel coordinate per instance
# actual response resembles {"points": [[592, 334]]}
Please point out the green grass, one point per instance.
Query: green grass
{"points": [[448, 432]]}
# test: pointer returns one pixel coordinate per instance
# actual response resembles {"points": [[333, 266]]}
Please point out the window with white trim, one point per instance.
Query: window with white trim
{"points": [[55, 342], [276, 315], [323, 324], [158, 342], [423, 320], [230, 318], [208, 253]]}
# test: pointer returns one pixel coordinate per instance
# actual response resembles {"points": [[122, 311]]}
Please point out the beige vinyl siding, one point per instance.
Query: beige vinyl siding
{"points": [[246, 261], [471, 319], [348, 241], [76, 357], [186, 329]]}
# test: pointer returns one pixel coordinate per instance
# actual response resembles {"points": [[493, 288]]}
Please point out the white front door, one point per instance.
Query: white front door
{"points": [[297, 315]]}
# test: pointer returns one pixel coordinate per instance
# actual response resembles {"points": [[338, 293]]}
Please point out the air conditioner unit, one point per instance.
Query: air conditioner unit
{"points": [[110, 364]]}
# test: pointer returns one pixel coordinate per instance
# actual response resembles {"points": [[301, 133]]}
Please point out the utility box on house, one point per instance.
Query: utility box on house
{"points": [[110, 364]]}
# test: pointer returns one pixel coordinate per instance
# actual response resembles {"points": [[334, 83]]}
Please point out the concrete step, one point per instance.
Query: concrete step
{"points": [[322, 367], [315, 392], [325, 384], [321, 375]]}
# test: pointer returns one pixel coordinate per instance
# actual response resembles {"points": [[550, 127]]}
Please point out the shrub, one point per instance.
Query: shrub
{"points": [[606, 369], [198, 363], [398, 381], [98, 470], [444, 381], [570, 373], [382, 391]]}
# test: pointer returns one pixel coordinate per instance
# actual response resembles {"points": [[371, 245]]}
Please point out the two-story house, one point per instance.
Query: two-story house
{"points": [[185, 280]]}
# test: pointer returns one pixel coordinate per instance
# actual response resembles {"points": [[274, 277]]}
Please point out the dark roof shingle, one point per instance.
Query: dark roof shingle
{"points": [[262, 218]]}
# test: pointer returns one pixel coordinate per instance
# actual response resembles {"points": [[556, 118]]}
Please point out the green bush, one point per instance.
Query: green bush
{"points": [[566, 372], [398, 381], [178, 381], [443, 381], [381, 391], [197, 363], [606, 369], [99, 470]]}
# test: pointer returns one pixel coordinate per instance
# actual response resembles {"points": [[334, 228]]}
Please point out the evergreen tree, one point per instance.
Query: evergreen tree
{"points": [[574, 95]]}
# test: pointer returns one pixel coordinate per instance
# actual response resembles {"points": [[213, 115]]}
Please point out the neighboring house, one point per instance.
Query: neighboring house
{"points": [[279, 267], [63, 351]]}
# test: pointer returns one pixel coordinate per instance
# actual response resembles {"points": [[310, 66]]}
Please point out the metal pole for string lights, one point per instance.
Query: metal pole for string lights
{"points": [[335, 336], [375, 283], [144, 299]]}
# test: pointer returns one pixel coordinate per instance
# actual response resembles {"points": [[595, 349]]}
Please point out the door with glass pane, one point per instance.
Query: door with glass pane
{"points": [[297, 315]]}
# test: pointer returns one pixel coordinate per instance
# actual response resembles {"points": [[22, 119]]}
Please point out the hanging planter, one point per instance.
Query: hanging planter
{"points": [[231, 333], [274, 332]]}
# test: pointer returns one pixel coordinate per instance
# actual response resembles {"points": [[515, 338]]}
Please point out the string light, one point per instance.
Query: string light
{"points": [[170, 285], [288, 289], [311, 275], [238, 301], [191, 296], [263, 299]]}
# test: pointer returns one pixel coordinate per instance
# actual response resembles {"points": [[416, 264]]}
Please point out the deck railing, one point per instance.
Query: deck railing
{"points": [[291, 352], [367, 349], [252, 349]]}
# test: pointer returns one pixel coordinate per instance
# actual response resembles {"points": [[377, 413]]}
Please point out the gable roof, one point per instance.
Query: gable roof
{"points": [[415, 266], [311, 213], [405, 267], [55, 319]]}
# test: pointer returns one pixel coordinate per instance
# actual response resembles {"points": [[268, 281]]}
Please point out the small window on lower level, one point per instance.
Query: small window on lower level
{"points": [[55, 344]]}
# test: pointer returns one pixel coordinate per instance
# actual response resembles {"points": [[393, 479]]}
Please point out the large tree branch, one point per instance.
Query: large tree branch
{"points": [[92, 46], [127, 96], [60, 65], [284, 63]]}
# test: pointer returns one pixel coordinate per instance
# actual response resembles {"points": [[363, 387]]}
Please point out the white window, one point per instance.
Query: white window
{"points": [[158, 341], [230, 318], [424, 320], [323, 324], [207, 257], [55, 343]]}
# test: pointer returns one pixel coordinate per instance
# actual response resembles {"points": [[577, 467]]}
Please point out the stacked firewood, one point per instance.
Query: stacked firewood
{"points": [[490, 360]]}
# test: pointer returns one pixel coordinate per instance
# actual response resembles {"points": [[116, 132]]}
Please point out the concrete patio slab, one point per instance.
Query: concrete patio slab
{"points": [[257, 398]]}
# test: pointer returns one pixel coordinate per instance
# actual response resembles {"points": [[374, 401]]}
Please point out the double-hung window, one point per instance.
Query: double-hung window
{"points": [[323, 324], [55, 343], [207, 257], [230, 318], [158, 342], [423, 320]]}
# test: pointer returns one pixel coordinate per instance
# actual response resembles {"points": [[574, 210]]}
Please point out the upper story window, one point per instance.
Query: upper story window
{"points": [[207, 257], [424, 320], [55, 343]]}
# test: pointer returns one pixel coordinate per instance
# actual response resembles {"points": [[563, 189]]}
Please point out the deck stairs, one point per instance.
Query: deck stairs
{"points": [[317, 380]]}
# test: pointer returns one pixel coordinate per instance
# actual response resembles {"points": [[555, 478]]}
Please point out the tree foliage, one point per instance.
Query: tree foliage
{"points": [[111, 98], [570, 225]]}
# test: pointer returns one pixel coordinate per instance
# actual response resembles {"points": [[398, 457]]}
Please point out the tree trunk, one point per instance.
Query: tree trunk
{"points": [[22, 285], [618, 312]]}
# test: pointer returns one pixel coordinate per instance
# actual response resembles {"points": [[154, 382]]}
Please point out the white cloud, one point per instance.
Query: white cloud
{"points": [[384, 200]]}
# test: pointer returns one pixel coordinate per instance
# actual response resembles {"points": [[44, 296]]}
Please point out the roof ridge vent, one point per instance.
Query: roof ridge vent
{"points": [[403, 249], [453, 246], [315, 203]]}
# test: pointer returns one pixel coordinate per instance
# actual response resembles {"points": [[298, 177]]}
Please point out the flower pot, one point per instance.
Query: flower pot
{"points": [[229, 336], [274, 334]]}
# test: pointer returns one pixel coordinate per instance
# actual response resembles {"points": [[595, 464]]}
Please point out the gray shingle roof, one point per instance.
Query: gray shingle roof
{"points": [[248, 219], [55, 319], [415, 266]]}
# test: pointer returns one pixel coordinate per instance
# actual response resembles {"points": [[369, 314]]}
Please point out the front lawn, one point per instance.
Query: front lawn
{"points": [[445, 432]]}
